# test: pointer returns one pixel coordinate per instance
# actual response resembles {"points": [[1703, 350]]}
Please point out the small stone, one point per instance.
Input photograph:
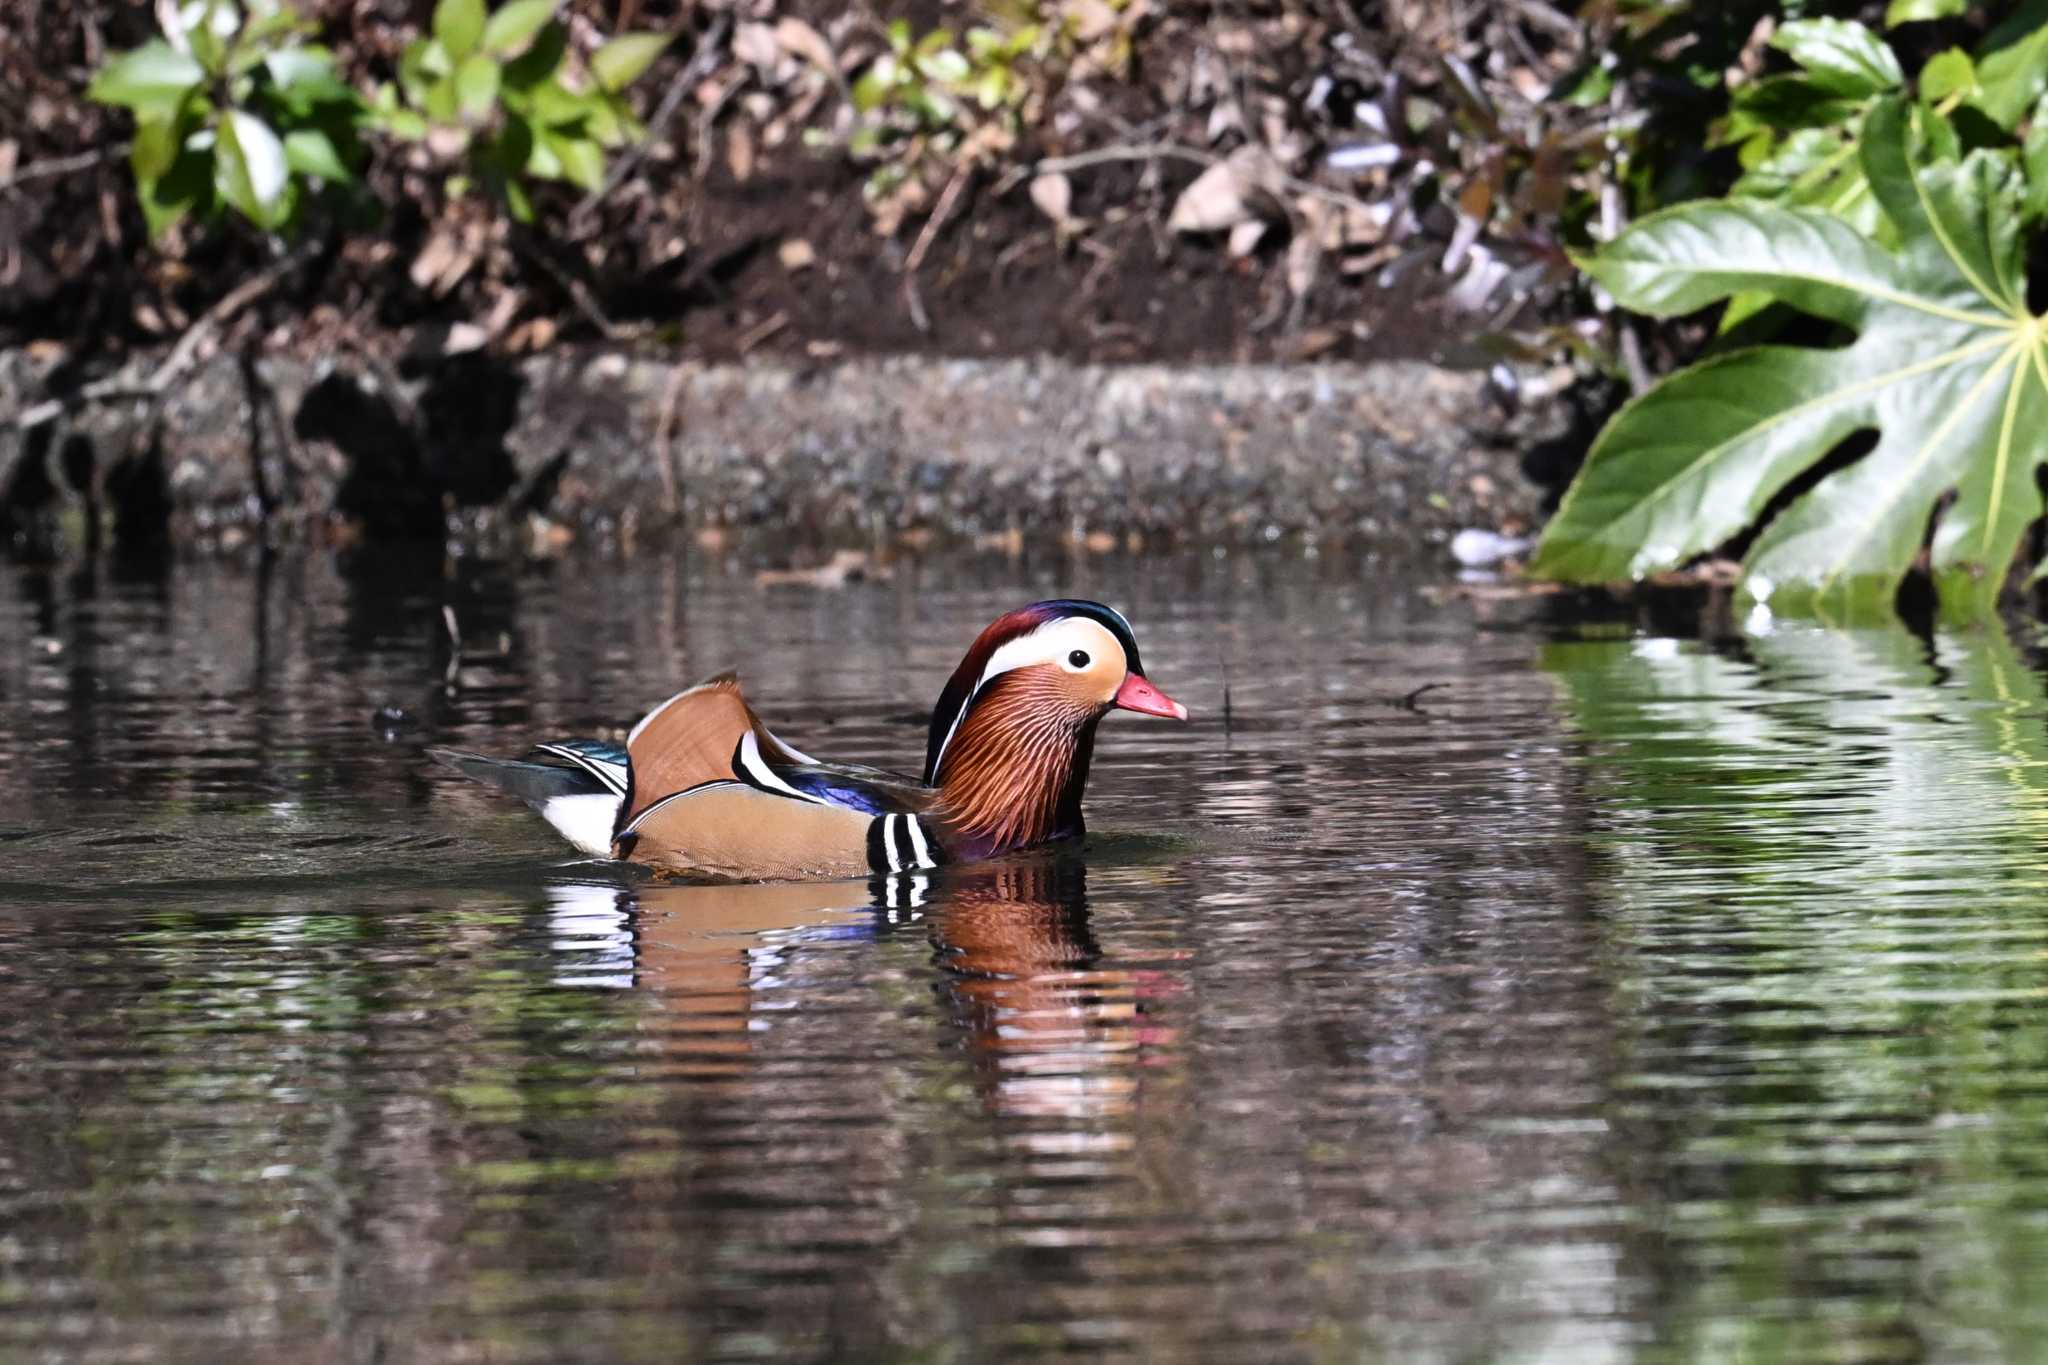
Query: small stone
{"points": [[797, 254]]}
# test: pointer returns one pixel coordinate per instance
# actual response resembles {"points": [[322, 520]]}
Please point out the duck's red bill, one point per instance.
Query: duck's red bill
{"points": [[1139, 695]]}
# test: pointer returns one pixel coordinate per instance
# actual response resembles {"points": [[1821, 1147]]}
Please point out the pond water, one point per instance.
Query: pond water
{"points": [[1624, 997]]}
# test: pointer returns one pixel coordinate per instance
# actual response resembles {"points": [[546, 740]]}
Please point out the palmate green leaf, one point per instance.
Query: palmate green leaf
{"points": [[1802, 133], [1947, 368]]}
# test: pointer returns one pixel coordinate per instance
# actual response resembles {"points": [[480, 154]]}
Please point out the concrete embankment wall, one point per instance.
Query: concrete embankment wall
{"points": [[1395, 455]]}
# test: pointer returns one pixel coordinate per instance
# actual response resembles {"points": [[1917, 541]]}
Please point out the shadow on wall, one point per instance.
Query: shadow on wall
{"points": [[406, 465], [49, 473]]}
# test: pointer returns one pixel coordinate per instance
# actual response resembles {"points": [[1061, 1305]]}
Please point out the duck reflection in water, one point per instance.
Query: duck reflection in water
{"points": [[1051, 1032]]}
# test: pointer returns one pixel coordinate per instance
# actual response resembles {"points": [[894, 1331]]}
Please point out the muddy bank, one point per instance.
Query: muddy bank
{"points": [[1394, 455]]}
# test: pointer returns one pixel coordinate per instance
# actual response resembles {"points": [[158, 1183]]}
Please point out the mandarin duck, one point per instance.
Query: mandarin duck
{"points": [[702, 788]]}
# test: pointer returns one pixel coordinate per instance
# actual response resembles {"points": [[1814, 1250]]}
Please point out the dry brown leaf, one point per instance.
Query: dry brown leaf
{"points": [[1233, 191], [799, 39], [1304, 259], [739, 152], [1054, 196], [1089, 19], [757, 45], [442, 262]]}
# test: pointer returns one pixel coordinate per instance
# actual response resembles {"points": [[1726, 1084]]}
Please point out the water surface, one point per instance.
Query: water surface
{"points": [[1625, 997]]}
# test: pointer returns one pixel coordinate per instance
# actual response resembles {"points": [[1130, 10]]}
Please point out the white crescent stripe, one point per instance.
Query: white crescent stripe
{"points": [[922, 849], [897, 862], [611, 774], [1042, 644], [763, 775], [641, 819]]}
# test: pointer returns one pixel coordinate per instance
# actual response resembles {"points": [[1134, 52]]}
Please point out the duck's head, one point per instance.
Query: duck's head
{"points": [[1011, 735]]}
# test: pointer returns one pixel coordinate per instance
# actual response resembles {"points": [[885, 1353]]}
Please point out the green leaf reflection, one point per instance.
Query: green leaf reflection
{"points": [[1822, 872]]}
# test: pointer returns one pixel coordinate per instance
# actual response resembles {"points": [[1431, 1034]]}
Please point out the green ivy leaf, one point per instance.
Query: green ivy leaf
{"points": [[1817, 168], [153, 80], [1841, 55], [442, 103], [304, 77], [186, 187], [582, 160], [1920, 11], [945, 65], [539, 61], [157, 144], [422, 65], [1947, 73], [250, 170], [874, 84], [512, 26], [1948, 367], [2034, 158], [394, 118], [621, 61], [309, 151], [2012, 65], [517, 202], [209, 36], [1781, 103], [458, 24], [476, 86], [541, 161]]}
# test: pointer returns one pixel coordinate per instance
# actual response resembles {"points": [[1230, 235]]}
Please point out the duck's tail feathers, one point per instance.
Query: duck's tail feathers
{"points": [[534, 783], [693, 738], [581, 807]]}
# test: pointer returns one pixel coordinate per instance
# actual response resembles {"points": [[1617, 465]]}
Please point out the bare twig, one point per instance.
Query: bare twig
{"points": [[761, 331], [1407, 701], [119, 388], [62, 165], [452, 676], [1553, 21], [1173, 151], [693, 73], [939, 214], [1129, 151], [578, 292]]}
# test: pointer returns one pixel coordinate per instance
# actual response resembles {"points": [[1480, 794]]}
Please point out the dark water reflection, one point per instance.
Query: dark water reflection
{"points": [[1629, 999]]}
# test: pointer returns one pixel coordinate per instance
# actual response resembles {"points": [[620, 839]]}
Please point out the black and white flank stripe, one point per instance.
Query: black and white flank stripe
{"points": [[898, 843]]}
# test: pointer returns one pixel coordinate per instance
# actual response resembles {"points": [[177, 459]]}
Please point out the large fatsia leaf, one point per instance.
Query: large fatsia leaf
{"points": [[1947, 367]]}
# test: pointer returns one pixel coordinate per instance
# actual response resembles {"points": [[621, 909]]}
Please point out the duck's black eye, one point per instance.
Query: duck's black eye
{"points": [[1079, 658]]}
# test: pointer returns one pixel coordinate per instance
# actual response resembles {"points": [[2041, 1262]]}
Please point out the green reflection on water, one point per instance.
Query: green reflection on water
{"points": [[1822, 864]]}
